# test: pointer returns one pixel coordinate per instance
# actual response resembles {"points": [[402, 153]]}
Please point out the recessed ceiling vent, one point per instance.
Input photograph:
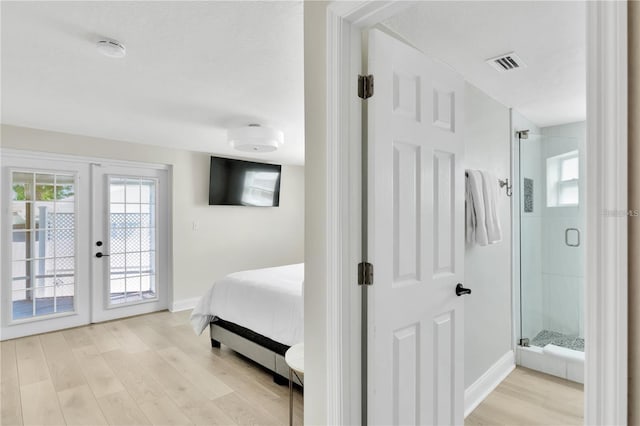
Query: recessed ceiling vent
{"points": [[507, 62]]}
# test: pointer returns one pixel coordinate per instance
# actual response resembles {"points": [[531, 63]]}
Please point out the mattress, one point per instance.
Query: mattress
{"points": [[267, 301]]}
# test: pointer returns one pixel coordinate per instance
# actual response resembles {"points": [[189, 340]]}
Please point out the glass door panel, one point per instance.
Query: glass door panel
{"points": [[43, 241], [132, 240], [552, 253]]}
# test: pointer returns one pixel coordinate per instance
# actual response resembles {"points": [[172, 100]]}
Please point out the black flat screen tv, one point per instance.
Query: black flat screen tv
{"points": [[243, 183]]}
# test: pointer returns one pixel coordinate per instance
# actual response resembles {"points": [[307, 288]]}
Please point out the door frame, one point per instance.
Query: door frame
{"points": [[606, 324], [39, 155]]}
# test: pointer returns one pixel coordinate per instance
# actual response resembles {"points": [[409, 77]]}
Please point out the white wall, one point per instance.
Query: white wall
{"points": [[315, 290], [229, 238], [488, 323]]}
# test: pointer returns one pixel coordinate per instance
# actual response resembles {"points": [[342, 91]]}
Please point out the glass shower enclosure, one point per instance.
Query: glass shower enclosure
{"points": [[552, 254]]}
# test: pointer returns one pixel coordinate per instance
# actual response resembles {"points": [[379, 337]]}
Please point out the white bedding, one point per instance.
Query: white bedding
{"points": [[268, 301]]}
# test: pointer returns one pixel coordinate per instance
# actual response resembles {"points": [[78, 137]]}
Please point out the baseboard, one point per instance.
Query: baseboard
{"points": [[481, 388], [184, 304]]}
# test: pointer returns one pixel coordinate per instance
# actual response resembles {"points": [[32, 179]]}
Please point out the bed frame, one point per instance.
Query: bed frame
{"points": [[264, 351]]}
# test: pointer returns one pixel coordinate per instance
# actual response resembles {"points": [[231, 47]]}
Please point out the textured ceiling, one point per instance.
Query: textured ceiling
{"points": [[192, 70], [549, 36]]}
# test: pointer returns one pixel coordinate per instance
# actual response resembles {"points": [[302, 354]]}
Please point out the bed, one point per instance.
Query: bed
{"points": [[257, 313]]}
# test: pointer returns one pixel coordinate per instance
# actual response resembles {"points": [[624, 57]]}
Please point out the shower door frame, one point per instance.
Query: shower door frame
{"points": [[606, 324]]}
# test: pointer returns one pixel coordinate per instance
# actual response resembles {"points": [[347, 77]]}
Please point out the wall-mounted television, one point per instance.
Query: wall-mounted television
{"points": [[244, 183]]}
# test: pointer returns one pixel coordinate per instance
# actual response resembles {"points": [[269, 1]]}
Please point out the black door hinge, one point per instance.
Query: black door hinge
{"points": [[365, 86], [365, 273]]}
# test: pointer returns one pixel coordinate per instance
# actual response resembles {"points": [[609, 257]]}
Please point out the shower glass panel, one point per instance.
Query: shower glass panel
{"points": [[552, 251]]}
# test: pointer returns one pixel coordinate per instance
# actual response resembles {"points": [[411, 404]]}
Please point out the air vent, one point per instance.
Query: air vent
{"points": [[507, 62]]}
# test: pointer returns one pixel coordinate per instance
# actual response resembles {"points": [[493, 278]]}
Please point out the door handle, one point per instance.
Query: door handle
{"points": [[566, 237], [461, 290], [99, 255]]}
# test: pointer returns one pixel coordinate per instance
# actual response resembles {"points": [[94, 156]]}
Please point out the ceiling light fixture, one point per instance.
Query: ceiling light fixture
{"points": [[255, 138], [111, 48]]}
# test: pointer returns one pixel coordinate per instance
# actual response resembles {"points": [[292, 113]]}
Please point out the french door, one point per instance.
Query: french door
{"points": [[54, 212], [129, 243], [45, 274]]}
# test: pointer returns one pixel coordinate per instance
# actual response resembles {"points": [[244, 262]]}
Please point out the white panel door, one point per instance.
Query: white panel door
{"points": [[416, 242], [130, 241]]}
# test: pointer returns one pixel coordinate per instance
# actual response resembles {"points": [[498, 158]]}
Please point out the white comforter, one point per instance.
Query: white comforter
{"points": [[268, 301]]}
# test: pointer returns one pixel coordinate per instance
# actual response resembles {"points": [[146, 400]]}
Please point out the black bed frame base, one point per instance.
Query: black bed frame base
{"points": [[277, 378], [260, 349]]}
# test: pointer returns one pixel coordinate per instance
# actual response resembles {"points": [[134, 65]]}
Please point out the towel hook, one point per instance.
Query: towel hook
{"points": [[509, 188]]}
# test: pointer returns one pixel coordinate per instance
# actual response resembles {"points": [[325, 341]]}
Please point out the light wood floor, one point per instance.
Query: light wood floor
{"points": [[153, 369], [150, 369], [528, 397]]}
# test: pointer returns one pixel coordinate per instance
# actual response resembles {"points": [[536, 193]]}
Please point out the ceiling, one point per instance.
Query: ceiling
{"points": [[195, 69], [549, 36], [192, 70]]}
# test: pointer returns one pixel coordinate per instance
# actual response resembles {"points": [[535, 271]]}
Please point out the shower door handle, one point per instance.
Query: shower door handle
{"points": [[566, 237]]}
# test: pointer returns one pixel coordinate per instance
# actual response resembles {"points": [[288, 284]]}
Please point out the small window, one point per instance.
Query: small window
{"points": [[563, 177]]}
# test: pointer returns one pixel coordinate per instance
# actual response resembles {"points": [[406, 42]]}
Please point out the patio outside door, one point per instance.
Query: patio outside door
{"points": [[130, 240], [81, 242], [45, 262]]}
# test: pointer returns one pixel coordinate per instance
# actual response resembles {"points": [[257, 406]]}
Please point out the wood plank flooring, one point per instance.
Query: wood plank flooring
{"points": [[528, 397], [145, 370], [153, 369]]}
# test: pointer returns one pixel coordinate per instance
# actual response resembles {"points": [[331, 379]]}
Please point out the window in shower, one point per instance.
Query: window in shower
{"points": [[563, 174]]}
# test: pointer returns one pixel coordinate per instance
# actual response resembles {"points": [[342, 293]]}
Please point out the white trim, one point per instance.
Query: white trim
{"points": [[606, 323], [335, 223], [184, 304], [80, 158], [606, 281], [481, 388]]}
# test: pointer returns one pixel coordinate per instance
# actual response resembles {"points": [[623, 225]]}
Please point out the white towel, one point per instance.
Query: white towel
{"points": [[481, 196], [469, 213], [476, 208], [490, 193]]}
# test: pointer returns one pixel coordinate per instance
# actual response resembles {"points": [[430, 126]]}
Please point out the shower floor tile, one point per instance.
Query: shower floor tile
{"points": [[546, 337]]}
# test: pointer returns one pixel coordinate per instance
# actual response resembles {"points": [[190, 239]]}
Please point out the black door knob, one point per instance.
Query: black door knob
{"points": [[98, 243], [461, 290], [99, 255]]}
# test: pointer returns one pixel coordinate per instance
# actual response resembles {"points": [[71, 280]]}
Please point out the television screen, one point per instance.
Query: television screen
{"points": [[243, 183]]}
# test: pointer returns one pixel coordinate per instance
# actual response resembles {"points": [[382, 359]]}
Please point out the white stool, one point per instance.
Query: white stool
{"points": [[294, 357]]}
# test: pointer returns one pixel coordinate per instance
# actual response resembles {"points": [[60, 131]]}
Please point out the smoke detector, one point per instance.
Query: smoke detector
{"points": [[507, 62], [255, 138], [111, 48]]}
